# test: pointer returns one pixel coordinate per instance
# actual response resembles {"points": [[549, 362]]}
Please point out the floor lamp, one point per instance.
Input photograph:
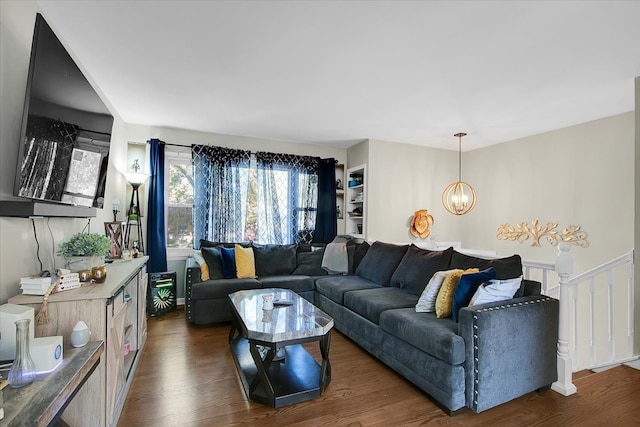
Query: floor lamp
{"points": [[136, 180]]}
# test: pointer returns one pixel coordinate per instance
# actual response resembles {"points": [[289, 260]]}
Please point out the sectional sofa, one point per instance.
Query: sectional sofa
{"points": [[481, 356]]}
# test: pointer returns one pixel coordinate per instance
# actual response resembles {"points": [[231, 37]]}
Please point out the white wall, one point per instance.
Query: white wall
{"points": [[18, 248], [581, 175], [573, 176], [402, 179]]}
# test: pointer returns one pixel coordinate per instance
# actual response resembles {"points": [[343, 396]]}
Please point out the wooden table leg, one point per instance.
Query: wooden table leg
{"points": [[325, 371], [261, 365]]}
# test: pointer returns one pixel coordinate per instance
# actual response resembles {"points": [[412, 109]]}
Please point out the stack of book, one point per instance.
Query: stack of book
{"points": [[68, 281], [35, 285]]}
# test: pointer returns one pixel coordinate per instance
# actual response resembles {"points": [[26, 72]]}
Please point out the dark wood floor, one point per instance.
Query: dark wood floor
{"points": [[186, 377]]}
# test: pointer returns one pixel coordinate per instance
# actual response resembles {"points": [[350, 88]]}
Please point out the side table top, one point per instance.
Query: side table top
{"points": [[297, 320], [38, 403]]}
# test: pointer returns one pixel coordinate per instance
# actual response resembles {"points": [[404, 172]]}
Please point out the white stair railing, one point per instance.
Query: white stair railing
{"points": [[582, 307]]}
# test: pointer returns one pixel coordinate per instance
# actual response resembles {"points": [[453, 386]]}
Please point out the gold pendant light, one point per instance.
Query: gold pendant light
{"points": [[459, 197]]}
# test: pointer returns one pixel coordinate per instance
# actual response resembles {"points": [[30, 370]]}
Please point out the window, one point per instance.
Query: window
{"points": [[264, 197], [179, 200]]}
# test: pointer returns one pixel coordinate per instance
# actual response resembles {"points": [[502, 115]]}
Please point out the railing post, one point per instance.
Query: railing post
{"points": [[564, 268]]}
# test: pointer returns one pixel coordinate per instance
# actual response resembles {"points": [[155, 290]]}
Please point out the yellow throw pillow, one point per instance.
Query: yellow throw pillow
{"points": [[204, 268], [444, 301], [245, 263]]}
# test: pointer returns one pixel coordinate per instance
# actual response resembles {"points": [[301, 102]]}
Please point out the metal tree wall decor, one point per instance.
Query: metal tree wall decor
{"points": [[572, 234], [420, 224]]}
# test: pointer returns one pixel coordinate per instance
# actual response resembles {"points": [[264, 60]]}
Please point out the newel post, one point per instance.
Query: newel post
{"points": [[564, 268]]}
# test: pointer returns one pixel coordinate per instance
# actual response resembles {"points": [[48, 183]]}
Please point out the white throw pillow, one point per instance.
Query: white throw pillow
{"points": [[427, 301], [496, 290]]}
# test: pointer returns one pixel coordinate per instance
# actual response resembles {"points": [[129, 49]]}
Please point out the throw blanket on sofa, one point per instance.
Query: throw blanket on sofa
{"points": [[336, 259]]}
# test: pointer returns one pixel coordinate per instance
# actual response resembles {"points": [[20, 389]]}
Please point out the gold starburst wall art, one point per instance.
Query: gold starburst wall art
{"points": [[572, 234]]}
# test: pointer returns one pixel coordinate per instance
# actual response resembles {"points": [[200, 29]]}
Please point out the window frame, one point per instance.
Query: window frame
{"points": [[175, 155]]}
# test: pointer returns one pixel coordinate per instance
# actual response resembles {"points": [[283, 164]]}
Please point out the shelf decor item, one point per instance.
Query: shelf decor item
{"points": [[84, 251], [23, 369], [459, 197]]}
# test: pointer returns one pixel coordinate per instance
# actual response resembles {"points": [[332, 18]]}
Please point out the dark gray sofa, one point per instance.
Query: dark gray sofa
{"points": [[494, 353], [292, 267]]}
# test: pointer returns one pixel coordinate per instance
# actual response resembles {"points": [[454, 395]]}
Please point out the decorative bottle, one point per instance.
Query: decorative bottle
{"points": [[23, 370]]}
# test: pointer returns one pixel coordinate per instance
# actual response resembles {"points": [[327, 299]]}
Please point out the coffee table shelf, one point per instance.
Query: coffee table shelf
{"points": [[294, 380]]}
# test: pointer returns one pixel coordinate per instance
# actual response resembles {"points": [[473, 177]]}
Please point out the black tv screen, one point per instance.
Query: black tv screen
{"points": [[66, 129]]}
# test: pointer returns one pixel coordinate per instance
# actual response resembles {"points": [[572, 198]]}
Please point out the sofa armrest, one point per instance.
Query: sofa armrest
{"points": [[510, 349], [192, 275]]}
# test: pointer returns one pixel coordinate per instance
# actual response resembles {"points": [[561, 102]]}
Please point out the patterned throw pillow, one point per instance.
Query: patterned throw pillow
{"points": [[444, 301], [245, 263]]}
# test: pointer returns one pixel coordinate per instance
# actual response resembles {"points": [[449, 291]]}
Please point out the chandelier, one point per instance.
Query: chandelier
{"points": [[459, 197]]}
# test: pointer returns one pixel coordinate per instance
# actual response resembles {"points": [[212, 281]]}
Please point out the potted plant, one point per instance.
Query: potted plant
{"points": [[84, 251]]}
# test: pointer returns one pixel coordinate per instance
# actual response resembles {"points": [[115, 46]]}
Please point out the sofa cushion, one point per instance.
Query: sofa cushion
{"points": [[221, 288], [209, 244], [228, 258], [369, 303], [296, 283], [444, 301], [310, 263], [496, 290], [506, 268], [427, 301], [245, 263], [418, 266], [211, 256], [274, 260], [380, 261], [199, 259], [467, 286], [360, 250], [437, 337], [334, 286]]}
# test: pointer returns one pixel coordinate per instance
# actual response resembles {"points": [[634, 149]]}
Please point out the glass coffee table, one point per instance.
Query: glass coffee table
{"points": [[274, 367]]}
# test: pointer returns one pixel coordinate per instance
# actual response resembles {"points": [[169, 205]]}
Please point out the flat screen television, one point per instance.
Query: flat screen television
{"points": [[66, 129]]}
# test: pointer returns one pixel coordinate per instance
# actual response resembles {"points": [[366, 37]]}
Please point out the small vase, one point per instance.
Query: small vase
{"points": [[23, 370]]}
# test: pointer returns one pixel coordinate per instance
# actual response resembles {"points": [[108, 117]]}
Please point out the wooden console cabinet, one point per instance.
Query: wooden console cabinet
{"points": [[115, 312]]}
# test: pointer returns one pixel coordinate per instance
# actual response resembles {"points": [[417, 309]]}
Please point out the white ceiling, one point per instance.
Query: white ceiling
{"points": [[337, 72]]}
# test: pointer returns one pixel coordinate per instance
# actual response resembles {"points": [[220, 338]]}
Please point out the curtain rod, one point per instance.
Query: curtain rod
{"points": [[173, 145]]}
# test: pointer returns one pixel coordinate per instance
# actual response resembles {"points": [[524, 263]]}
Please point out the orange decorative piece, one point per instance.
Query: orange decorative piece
{"points": [[420, 224]]}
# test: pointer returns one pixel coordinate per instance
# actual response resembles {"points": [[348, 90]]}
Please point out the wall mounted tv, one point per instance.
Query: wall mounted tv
{"points": [[66, 129]]}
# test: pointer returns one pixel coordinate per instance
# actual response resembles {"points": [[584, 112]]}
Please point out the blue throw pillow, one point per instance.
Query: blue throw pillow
{"points": [[228, 258], [467, 286]]}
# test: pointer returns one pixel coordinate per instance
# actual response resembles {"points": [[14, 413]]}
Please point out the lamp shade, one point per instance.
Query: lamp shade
{"points": [[135, 178]]}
